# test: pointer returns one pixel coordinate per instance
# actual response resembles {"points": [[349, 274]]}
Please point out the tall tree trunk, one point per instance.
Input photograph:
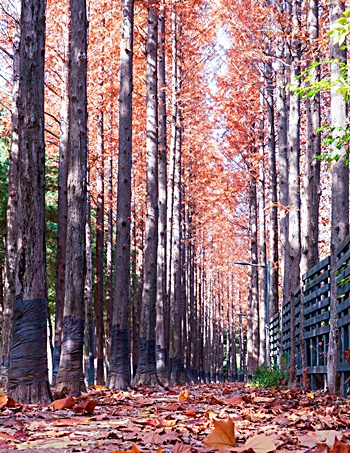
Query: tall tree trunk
{"points": [[294, 184], [11, 219], [70, 378], [161, 349], [146, 371], [28, 376], [253, 342], [271, 145], [262, 250], [282, 107], [340, 195], [109, 253], [99, 259], [89, 343], [311, 181], [62, 212], [119, 372]]}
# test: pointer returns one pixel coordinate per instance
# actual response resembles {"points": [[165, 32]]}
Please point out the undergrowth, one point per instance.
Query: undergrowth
{"points": [[269, 377]]}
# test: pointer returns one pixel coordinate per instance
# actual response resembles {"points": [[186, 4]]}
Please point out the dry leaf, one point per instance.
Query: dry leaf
{"points": [[64, 403], [181, 448], [86, 407], [328, 436], [262, 399], [340, 447], [134, 449], [222, 436], [185, 394], [234, 401], [259, 444], [6, 401]]}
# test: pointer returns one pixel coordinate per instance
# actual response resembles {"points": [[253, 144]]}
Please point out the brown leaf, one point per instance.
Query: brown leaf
{"points": [[340, 447], [262, 399], [328, 436], [222, 436], [85, 407], [184, 395], [64, 403], [134, 449], [6, 401], [346, 353], [259, 444], [234, 401], [181, 448]]}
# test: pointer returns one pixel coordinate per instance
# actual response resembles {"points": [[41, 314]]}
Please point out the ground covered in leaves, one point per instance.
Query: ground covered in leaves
{"points": [[198, 418]]}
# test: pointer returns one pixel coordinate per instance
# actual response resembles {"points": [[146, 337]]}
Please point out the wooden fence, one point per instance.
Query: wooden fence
{"points": [[315, 299]]}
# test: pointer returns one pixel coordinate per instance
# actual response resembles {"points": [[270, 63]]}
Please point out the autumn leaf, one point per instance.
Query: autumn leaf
{"points": [[64, 403], [184, 395], [340, 447], [6, 401], [259, 444], [222, 436], [134, 449], [190, 413], [234, 401], [181, 448], [85, 407]]}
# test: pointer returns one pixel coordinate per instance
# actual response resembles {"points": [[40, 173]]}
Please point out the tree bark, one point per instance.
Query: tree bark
{"points": [[146, 371], [89, 353], [28, 376], [62, 212], [340, 196], [119, 372], [311, 180], [253, 342], [294, 186], [11, 219], [161, 349], [99, 258], [70, 378]]}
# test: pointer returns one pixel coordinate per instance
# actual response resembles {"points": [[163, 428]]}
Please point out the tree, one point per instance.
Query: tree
{"points": [[162, 352], [11, 218], [146, 373], [293, 249], [62, 211], [340, 193], [28, 375], [311, 180], [70, 378], [119, 372]]}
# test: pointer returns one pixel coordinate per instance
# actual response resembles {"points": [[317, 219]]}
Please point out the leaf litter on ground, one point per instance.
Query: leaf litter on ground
{"points": [[230, 417]]}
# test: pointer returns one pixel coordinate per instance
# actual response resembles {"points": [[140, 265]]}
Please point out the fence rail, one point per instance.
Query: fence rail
{"points": [[314, 300]]}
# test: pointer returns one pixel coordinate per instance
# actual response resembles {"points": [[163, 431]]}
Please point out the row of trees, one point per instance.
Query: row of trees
{"points": [[299, 199], [155, 158], [145, 287]]}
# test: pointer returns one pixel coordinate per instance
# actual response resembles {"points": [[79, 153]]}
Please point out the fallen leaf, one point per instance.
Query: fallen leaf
{"points": [[6, 401], [234, 401], [184, 395], [328, 436], [191, 413], [134, 449], [85, 407], [259, 444], [340, 447], [181, 448], [262, 399], [64, 403], [223, 434]]}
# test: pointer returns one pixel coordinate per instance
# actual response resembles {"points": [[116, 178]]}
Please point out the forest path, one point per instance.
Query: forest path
{"points": [[180, 420]]}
